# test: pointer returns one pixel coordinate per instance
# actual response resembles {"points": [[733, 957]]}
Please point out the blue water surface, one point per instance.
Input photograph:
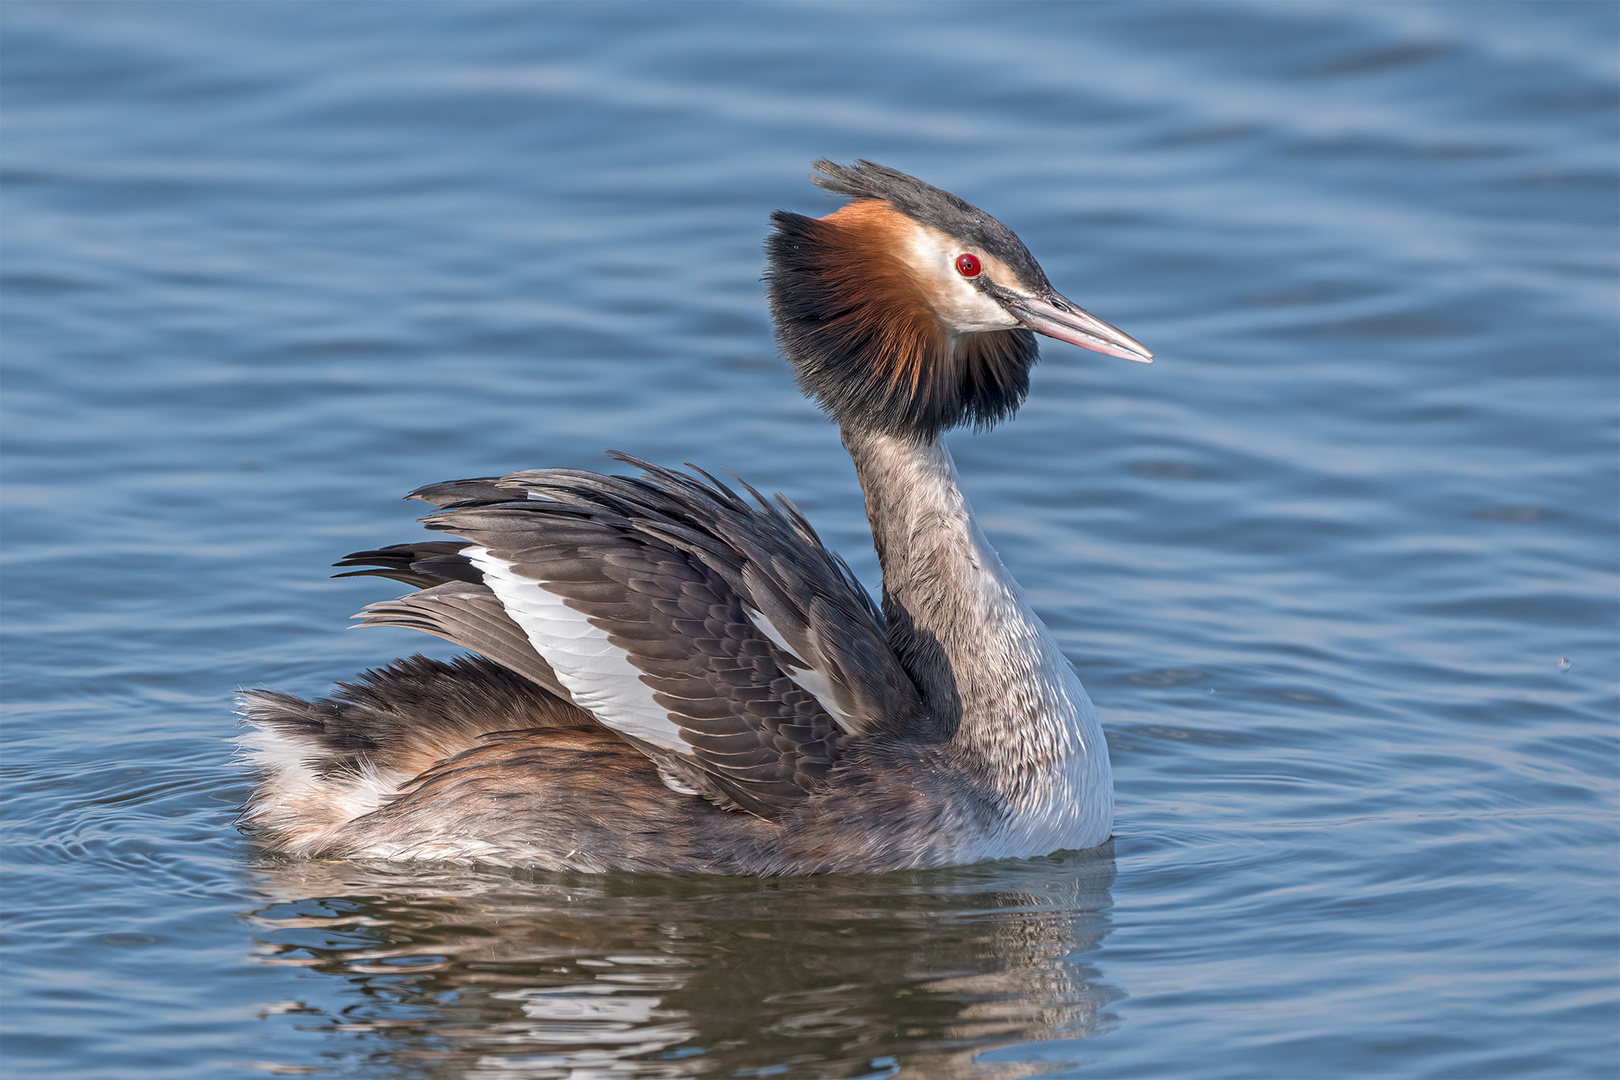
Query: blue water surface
{"points": [[1340, 568]]}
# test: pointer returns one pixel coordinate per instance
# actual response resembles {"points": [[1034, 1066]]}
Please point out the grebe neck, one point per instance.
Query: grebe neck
{"points": [[993, 678]]}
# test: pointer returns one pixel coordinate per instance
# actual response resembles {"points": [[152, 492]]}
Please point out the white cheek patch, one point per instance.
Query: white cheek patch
{"points": [[597, 673], [961, 307]]}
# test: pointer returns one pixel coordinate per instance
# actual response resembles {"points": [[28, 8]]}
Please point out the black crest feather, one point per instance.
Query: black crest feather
{"points": [[931, 206]]}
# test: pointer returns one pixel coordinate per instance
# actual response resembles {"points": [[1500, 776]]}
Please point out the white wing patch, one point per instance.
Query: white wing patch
{"points": [[807, 679], [597, 673]]}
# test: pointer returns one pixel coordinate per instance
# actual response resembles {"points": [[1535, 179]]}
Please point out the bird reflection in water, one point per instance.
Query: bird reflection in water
{"points": [[460, 972]]}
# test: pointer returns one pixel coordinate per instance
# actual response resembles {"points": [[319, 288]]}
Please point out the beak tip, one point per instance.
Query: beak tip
{"points": [[1068, 322]]}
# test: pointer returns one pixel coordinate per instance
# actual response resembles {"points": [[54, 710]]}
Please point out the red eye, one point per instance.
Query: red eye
{"points": [[967, 265]]}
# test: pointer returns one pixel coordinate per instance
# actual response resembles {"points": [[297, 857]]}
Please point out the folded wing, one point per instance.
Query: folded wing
{"points": [[716, 634]]}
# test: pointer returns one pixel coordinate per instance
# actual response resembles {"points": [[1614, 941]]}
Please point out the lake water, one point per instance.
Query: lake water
{"points": [[1339, 569]]}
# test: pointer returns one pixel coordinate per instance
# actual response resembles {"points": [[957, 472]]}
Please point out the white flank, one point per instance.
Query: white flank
{"points": [[597, 673]]}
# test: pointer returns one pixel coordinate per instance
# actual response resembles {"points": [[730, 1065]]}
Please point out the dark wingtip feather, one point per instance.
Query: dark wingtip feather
{"points": [[451, 493], [423, 564]]}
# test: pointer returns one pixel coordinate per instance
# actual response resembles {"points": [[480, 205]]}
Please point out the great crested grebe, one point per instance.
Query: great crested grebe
{"points": [[674, 678]]}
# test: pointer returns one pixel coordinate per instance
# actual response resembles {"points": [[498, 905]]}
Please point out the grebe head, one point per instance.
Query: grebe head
{"points": [[910, 311]]}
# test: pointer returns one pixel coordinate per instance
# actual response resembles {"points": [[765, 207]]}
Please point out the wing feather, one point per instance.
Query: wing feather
{"points": [[472, 616], [715, 633]]}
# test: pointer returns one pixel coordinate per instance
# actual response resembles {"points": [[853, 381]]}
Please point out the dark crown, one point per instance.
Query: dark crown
{"points": [[928, 205]]}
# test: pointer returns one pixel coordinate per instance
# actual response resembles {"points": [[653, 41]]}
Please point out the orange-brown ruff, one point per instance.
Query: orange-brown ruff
{"points": [[674, 677], [880, 350]]}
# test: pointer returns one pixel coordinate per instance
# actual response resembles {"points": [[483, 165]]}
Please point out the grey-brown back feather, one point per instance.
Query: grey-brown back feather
{"points": [[409, 714]]}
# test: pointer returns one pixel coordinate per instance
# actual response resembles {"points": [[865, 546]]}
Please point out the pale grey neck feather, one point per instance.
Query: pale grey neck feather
{"points": [[988, 668]]}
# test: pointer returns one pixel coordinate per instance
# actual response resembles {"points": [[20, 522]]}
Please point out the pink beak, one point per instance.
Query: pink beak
{"points": [[1057, 318]]}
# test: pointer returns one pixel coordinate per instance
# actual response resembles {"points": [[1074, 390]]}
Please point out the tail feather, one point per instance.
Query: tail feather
{"points": [[325, 762]]}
